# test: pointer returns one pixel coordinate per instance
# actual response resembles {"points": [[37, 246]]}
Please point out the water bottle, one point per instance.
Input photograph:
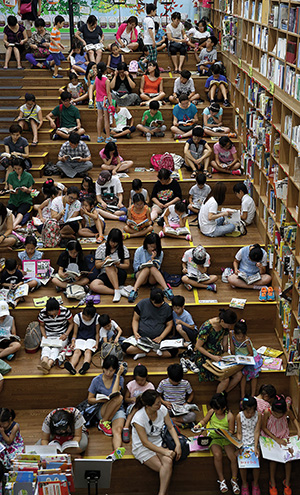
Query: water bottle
{"points": [[148, 136]]}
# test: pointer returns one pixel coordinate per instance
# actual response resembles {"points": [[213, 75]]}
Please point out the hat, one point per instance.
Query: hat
{"points": [[104, 177], [4, 311], [199, 255]]}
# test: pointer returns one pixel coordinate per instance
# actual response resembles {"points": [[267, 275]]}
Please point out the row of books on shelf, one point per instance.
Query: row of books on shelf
{"points": [[261, 101], [280, 17], [286, 50], [296, 136], [248, 10], [275, 71], [229, 44], [269, 68], [229, 26], [285, 312]]}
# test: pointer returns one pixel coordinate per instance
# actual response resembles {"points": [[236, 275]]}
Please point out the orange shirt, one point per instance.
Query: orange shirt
{"points": [[54, 36], [139, 217], [151, 87]]}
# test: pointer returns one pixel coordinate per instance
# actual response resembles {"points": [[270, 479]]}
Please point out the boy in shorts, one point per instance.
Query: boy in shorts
{"points": [[152, 121], [56, 46]]}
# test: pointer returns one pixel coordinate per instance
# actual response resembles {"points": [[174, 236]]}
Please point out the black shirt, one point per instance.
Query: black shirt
{"points": [[91, 37], [65, 259], [166, 193], [7, 278]]}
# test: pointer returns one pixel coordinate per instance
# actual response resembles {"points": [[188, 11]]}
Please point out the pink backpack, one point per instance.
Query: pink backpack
{"points": [[50, 234], [162, 161]]}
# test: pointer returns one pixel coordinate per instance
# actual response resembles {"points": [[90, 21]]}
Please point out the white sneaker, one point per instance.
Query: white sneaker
{"points": [[159, 352], [124, 292], [140, 355], [117, 295]]}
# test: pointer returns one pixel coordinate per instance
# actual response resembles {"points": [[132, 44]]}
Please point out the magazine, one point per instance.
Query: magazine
{"points": [[248, 459], [237, 303], [237, 359], [225, 434], [180, 410], [11, 295], [272, 451], [178, 231], [270, 363], [66, 445], [40, 269], [40, 302], [249, 279]]}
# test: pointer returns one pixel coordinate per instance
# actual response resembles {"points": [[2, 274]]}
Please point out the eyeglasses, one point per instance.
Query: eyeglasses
{"points": [[152, 426]]}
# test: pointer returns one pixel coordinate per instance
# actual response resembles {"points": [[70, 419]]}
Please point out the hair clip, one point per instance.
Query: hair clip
{"points": [[245, 399], [242, 320]]}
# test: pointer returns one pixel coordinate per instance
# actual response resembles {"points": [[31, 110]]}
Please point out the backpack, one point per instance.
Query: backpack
{"points": [[58, 119], [226, 273], [162, 161], [168, 442], [240, 229], [173, 280], [75, 291], [178, 161], [111, 349], [90, 263], [50, 234], [50, 169], [133, 66], [33, 337]]}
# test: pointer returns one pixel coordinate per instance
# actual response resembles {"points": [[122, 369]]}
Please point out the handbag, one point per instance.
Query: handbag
{"points": [[168, 442], [40, 52], [110, 199], [221, 374], [89, 412], [111, 349], [25, 8]]}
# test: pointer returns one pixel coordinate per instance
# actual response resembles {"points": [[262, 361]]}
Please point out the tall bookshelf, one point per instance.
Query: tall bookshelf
{"points": [[260, 41]]}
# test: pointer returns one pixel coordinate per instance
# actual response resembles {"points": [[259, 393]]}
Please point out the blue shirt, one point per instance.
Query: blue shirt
{"points": [[245, 264], [142, 256], [186, 317], [211, 78], [97, 386], [36, 256], [184, 114]]}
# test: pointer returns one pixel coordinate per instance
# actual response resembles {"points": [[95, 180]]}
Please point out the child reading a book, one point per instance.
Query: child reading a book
{"points": [[85, 339], [183, 321], [275, 425], [226, 159], [174, 390], [137, 188], [70, 265], [249, 266], [152, 122], [198, 193], [146, 266], [240, 344], [248, 430], [44, 209], [92, 223], [112, 160], [87, 187], [10, 437], [265, 397], [122, 123], [134, 389], [138, 218], [31, 253], [185, 85], [56, 322], [12, 278], [248, 208], [166, 192], [175, 222], [216, 86], [109, 331], [212, 121], [219, 416], [207, 56], [197, 153], [195, 263], [66, 428], [9, 341], [31, 117]]}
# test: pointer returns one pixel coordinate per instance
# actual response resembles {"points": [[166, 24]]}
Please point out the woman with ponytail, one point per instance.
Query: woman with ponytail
{"points": [[147, 426]]}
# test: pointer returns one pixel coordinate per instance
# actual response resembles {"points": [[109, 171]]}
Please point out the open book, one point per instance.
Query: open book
{"points": [[157, 123], [237, 303], [67, 130], [73, 219], [96, 46], [110, 262], [148, 264], [178, 231], [11, 295], [66, 445], [73, 158], [202, 277], [180, 410], [249, 279], [40, 269], [280, 453], [125, 49], [185, 122], [9, 155], [245, 360], [137, 226], [216, 82], [52, 342], [107, 397], [235, 215], [225, 434], [147, 344]]}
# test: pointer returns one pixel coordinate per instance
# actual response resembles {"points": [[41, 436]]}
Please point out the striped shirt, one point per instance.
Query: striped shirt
{"points": [[54, 36], [56, 325], [174, 393]]}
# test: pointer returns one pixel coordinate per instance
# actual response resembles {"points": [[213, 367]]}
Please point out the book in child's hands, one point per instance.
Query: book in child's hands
{"points": [[156, 123], [237, 303], [272, 451], [235, 215], [147, 264], [217, 82], [137, 226], [66, 445], [110, 262], [236, 359], [268, 351], [11, 295], [178, 231], [225, 434], [247, 459], [40, 269], [185, 122], [201, 277], [249, 279], [73, 219], [52, 342], [180, 410]]}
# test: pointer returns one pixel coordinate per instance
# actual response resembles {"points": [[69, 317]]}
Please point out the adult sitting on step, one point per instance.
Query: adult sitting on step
{"points": [[7, 239], [38, 46], [152, 318], [65, 118], [74, 157]]}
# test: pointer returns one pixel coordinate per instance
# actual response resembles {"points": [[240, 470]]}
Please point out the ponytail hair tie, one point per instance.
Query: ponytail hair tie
{"points": [[245, 399], [242, 320]]}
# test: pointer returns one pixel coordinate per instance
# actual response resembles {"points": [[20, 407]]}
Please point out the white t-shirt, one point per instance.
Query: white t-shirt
{"points": [[173, 216], [86, 322], [192, 267], [148, 24], [248, 205], [104, 332], [153, 431], [121, 118], [175, 32], [199, 195], [114, 186], [58, 206], [194, 33], [208, 226]]}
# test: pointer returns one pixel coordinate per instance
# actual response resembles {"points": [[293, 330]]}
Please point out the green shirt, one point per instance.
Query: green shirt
{"points": [[157, 116], [67, 116], [21, 197]]}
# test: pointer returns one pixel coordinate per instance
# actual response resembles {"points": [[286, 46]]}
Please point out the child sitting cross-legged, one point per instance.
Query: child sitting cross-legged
{"points": [[134, 389], [185, 85], [92, 223], [212, 121], [175, 390], [138, 218], [71, 260], [198, 193], [122, 125], [85, 339], [217, 85], [174, 219], [183, 321], [11, 278], [197, 153], [152, 121], [110, 331], [226, 159], [31, 253], [195, 263]]}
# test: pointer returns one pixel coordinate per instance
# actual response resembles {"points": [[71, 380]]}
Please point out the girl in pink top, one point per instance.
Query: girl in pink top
{"points": [[112, 160], [127, 34], [135, 388], [226, 159], [104, 103], [266, 395], [275, 425]]}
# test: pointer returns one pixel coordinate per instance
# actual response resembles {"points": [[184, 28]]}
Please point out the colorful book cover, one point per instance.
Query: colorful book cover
{"points": [[270, 363], [272, 451], [247, 459]]}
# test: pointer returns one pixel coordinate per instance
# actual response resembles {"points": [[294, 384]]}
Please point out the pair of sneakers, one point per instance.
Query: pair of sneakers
{"points": [[168, 293], [266, 294], [187, 365]]}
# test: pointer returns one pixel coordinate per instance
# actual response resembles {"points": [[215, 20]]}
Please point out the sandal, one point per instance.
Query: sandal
{"points": [[287, 489], [34, 143], [272, 490], [223, 486], [207, 173], [235, 487], [188, 287], [194, 175], [99, 239]]}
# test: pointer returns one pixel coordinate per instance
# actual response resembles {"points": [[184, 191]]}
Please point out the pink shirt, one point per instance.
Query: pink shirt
{"points": [[100, 88], [114, 160], [135, 389], [225, 156], [133, 33]]}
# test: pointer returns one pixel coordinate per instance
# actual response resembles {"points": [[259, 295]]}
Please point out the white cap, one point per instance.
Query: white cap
{"points": [[4, 311]]}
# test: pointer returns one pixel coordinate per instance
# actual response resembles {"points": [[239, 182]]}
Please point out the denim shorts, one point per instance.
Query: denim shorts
{"points": [[100, 106], [119, 414], [58, 57]]}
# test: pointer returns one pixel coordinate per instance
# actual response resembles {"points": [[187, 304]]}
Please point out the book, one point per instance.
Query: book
{"points": [[40, 269], [235, 215], [73, 158], [96, 46], [185, 122], [225, 434], [217, 83], [180, 410], [147, 344], [202, 277], [178, 231], [156, 123], [237, 303], [268, 351], [137, 226], [40, 302], [239, 359], [66, 445], [73, 219], [11, 295], [110, 262], [272, 451], [52, 342], [271, 363], [107, 397], [247, 459], [249, 279], [292, 368], [147, 264]]}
